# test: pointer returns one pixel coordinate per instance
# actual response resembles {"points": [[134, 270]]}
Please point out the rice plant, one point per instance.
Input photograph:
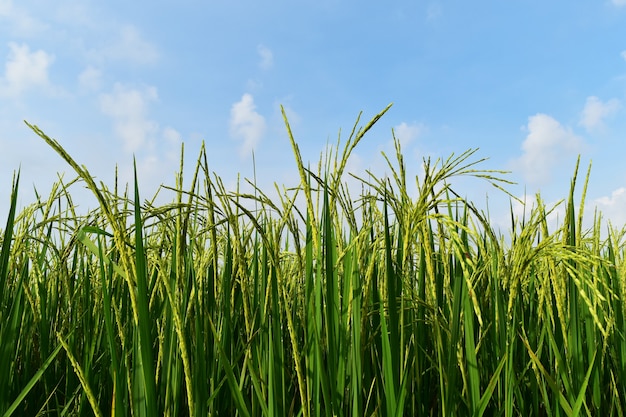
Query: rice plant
{"points": [[319, 303]]}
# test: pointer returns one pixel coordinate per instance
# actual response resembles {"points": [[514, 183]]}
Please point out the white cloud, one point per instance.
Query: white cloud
{"points": [[624, 55], [596, 111], [172, 136], [613, 208], [19, 21], [129, 47], [547, 144], [172, 143], [246, 124], [158, 160], [407, 133], [156, 149], [619, 3], [253, 84], [5, 7], [90, 78], [25, 70], [267, 57], [73, 13], [128, 107]]}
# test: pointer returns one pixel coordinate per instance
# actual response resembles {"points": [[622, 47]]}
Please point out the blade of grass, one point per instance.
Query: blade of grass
{"points": [[33, 381], [147, 402], [81, 376], [240, 402]]}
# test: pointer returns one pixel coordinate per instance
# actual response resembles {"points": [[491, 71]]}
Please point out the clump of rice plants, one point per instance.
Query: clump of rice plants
{"points": [[322, 303]]}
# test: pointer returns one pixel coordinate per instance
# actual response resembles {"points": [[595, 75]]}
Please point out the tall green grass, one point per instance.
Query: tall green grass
{"points": [[319, 303]]}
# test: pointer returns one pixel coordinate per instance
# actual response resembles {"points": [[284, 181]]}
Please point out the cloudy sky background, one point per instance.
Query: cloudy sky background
{"points": [[532, 84]]}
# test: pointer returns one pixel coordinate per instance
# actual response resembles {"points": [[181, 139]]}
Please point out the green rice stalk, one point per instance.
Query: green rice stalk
{"points": [[390, 303], [7, 238], [34, 380], [81, 376], [240, 401], [147, 400]]}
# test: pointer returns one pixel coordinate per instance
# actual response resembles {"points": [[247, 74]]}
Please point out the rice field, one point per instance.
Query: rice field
{"points": [[320, 302]]}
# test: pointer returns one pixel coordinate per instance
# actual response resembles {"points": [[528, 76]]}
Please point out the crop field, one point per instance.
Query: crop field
{"points": [[323, 301]]}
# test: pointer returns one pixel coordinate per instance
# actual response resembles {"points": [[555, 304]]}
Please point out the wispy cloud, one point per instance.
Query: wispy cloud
{"points": [[128, 46], [619, 3], [25, 70], [267, 57], [407, 133], [613, 207], [128, 107], [90, 79], [19, 21], [246, 124], [547, 144], [158, 159], [596, 111]]}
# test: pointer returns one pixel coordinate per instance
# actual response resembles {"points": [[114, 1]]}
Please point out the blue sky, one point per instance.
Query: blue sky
{"points": [[532, 84]]}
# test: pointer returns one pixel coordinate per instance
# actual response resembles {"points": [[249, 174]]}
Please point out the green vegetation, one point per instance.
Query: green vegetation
{"points": [[314, 304]]}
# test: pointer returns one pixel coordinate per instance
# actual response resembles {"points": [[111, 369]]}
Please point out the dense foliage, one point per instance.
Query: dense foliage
{"points": [[314, 304]]}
